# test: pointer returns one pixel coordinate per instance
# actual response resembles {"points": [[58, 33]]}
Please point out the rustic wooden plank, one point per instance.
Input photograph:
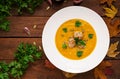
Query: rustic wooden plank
{"points": [[40, 71], [37, 70], [92, 4], [9, 45], [116, 69], [18, 23]]}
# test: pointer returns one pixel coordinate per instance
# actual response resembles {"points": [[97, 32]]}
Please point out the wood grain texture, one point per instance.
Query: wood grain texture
{"points": [[41, 16], [18, 23], [40, 71], [92, 4], [10, 40], [37, 70], [9, 45]]}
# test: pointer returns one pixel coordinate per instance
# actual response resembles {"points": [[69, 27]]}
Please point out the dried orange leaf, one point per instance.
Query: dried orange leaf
{"points": [[109, 2], [112, 49], [99, 74], [69, 75], [110, 12], [113, 26]]}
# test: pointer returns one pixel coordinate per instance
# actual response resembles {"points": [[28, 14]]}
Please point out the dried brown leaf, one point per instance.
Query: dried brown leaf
{"points": [[113, 26], [99, 74], [109, 2], [104, 64], [49, 65], [109, 71], [112, 49], [110, 11], [99, 70], [69, 75]]}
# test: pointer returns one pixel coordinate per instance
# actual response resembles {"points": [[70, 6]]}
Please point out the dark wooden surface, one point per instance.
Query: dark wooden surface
{"points": [[10, 40]]}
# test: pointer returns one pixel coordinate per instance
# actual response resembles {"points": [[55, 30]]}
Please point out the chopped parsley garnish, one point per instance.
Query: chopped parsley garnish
{"points": [[64, 46], [82, 42], [79, 53], [79, 42], [78, 23], [65, 30], [76, 40], [90, 36], [25, 54]]}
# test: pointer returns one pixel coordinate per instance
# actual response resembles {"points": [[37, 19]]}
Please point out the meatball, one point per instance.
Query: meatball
{"points": [[71, 42], [78, 34]]}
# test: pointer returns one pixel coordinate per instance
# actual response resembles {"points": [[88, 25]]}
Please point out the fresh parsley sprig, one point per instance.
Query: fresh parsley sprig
{"points": [[25, 54], [19, 5], [4, 70], [5, 6]]}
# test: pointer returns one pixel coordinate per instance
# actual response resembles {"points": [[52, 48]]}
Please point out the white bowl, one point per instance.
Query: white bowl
{"points": [[82, 65]]}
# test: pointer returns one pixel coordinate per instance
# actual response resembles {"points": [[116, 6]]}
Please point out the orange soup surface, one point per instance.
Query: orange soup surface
{"points": [[75, 39]]}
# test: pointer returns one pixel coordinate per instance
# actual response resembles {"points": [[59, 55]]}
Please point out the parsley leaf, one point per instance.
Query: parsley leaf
{"points": [[76, 40], [4, 70], [78, 23], [64, 46], [79, 53], [25, 54], [5, 7], [82, 42], [90, 36], [20, 5], [4, 25], [28, 5], [64, 30], [79, 42]]}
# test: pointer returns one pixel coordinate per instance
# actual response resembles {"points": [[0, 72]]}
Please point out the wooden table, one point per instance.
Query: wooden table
{"points": [[10, 40]]}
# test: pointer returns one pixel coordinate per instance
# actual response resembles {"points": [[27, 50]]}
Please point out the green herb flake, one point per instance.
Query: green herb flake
{"points": [[25, 54], [64, 46], [78, 23], [21, 5], [82, 42], [79, 53], [90, 36], [76, 40], [65, 30], [4, 69]]}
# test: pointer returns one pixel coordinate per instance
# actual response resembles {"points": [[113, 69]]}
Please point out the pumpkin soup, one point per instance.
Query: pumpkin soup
{"points": [[75, 39]]}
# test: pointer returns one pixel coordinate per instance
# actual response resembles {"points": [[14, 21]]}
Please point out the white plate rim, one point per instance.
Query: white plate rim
{"points": [[75, 66]]}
